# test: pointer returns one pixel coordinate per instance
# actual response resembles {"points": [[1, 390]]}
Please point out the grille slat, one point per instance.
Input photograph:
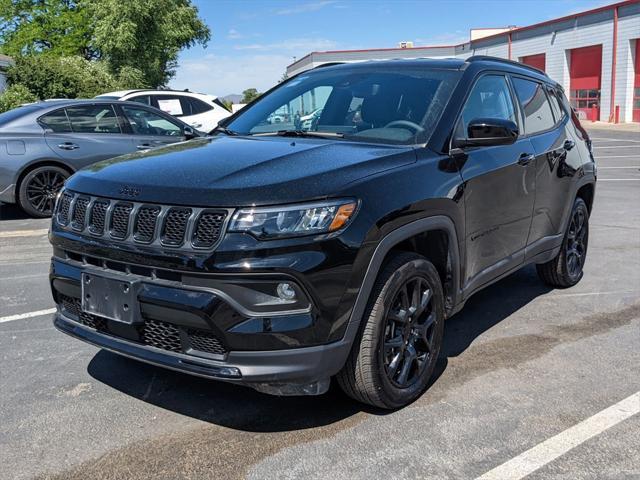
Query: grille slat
{"points": [[98, 216], [63, 209], [120, 220], [208, 228], [146, 224], [79, 213], [175, 226], [170, 226]]}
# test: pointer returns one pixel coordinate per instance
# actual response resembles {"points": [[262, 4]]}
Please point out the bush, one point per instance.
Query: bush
{"points": [[47, 76], [14, 96]]}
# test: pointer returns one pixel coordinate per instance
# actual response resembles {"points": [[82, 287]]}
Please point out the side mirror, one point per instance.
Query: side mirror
{"points": [[189, 133], [487, 132]]}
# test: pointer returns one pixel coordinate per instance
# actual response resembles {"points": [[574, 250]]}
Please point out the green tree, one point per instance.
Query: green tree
{"points": [[14, 96], [47, 76], [146, 34], [137, 39], [249, 95], [59, 27]]}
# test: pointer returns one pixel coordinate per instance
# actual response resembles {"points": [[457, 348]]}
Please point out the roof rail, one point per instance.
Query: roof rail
{"points": [[488, 58]]}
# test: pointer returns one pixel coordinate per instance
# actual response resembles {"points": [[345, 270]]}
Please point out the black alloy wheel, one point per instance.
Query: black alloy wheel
{"points": [[395, 353], [576, 246], [566, 269], [39, 189], [409, 333]]}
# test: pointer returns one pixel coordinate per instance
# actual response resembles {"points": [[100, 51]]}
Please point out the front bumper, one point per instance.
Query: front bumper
{"points": [[297, 371], [197, 331]]}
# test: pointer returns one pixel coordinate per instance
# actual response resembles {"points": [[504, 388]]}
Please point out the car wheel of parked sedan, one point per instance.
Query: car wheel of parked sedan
{"points": [[565, 270], [397, 348], [39, 188]]}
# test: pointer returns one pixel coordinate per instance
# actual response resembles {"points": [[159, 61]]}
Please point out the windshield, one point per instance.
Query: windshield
{"points": [[358, 103]]}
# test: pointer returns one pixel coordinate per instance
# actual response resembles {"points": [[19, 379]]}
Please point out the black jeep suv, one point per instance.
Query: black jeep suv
{"points": [[282, 251]]}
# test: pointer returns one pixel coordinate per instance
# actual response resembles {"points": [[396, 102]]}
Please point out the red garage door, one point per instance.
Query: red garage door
{"points": [[586, 74], [537, 61], [636, 85]]}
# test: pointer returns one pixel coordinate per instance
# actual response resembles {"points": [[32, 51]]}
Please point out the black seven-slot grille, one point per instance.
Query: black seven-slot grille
{"points": [[141, 223], [154, 333]]}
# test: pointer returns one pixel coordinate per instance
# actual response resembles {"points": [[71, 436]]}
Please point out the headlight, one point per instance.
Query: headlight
{"points": [[294, 220]]}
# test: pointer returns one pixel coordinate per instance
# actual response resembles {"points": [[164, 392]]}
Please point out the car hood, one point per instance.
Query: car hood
{"points": [[234, 171]]}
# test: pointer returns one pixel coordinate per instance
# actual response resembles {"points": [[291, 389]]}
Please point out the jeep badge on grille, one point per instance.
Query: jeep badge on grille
{"points": [[129, 191]]}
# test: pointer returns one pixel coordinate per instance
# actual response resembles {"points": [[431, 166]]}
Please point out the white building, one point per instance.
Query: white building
{"points": [[594, 54], [4, 63]]}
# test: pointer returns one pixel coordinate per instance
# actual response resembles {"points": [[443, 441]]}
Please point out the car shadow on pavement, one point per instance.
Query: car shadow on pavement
{"points": [[12, 212], [244, 409]]}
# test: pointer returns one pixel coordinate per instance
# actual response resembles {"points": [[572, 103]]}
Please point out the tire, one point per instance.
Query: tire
{"points": [[373, 372], [565, 270], [38, 190]]}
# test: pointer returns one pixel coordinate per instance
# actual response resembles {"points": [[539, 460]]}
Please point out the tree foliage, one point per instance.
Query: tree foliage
{"points": [[59, 27], [138, 39], [249, 95], [47, 76], [14, 96]]}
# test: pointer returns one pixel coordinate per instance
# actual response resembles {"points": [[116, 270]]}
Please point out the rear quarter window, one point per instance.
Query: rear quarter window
{"points": [[57, 121]]}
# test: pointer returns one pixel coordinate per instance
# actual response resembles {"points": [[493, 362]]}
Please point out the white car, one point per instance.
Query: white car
{"points": [[201, 111]]}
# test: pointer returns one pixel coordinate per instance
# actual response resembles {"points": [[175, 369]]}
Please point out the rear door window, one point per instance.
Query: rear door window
{"points": [[144, 99], [93, 119], [175, 105], [535, 105]]}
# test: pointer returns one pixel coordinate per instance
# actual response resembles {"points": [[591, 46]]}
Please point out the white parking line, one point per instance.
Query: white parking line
{"points": [[24, 233], [616, 146], [614, 140], [599, 157], [637, 167], [22, 316], [547, 451]]}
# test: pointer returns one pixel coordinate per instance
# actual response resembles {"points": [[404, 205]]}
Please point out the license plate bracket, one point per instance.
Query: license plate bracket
{"points": [[111, 297]]}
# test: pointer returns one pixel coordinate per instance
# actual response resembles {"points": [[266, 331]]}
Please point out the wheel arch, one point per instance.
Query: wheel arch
{"points": [[40, 163], [399, 240]]}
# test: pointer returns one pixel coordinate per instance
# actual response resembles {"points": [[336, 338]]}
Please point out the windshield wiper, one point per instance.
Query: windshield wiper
{"points": [[224, 130], [301, 133]]}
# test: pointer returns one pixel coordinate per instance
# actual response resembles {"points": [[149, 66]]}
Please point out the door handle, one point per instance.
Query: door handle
{"points": [[525, 159], [568, 144], [68, 146], [143, 146]]}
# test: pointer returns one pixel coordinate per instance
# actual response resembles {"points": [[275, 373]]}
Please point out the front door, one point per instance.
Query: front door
{"points": [[150, 129], [499, 188]]}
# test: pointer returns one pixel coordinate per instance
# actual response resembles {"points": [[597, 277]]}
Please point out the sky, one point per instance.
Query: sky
{"points": [[253, 41]]}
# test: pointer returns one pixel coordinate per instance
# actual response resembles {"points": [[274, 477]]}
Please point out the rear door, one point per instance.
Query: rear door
{"points": [[557, 160], [150, 129], [86, 133], [499, 187]]}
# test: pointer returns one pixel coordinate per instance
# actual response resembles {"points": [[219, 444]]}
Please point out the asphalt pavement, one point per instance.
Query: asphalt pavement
{"points": [[527, 374]]}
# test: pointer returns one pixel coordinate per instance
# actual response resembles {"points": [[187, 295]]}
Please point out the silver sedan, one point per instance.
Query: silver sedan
{"points": [[42, 144]]}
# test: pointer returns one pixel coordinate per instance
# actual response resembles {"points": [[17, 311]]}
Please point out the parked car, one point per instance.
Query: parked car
{"points": [[201, 111], [48, 141], [280, 259], [307, 122]]}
